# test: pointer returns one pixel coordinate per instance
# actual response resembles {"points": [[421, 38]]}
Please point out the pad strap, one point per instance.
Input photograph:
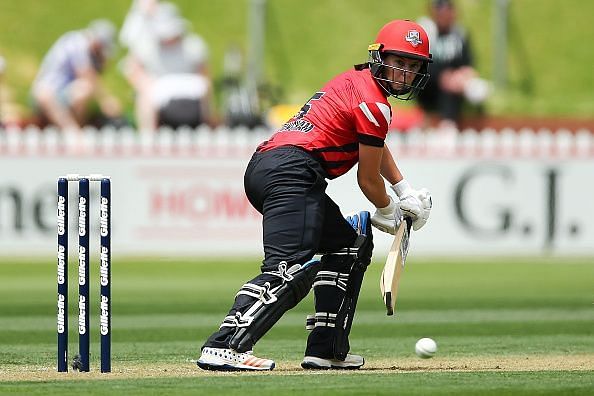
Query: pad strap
{"points": [[262, 293], [272, 300], [320, 319], [331, 278], [236, 320]]}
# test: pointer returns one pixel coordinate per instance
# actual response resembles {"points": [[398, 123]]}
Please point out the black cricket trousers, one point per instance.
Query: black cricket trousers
{"points": [[287, 185]]}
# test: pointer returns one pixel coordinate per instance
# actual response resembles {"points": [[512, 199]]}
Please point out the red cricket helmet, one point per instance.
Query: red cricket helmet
{"points": [[403, 38], [406, 38]]}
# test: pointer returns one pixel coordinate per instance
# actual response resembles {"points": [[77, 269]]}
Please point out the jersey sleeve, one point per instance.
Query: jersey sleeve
{"points": [[371, 122]]}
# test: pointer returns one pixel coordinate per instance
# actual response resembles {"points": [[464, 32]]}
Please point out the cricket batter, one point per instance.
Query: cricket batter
{"points": [[344, 123]]}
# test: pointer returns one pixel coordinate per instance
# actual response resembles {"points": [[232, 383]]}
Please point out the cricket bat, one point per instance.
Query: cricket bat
{"points": [[395, 265]]}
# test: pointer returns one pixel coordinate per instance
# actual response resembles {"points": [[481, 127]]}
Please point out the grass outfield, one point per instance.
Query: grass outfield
{"points": [[522, 326]]}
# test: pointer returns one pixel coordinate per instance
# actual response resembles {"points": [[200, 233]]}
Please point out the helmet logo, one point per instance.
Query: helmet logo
{"points": [[414, 38]]}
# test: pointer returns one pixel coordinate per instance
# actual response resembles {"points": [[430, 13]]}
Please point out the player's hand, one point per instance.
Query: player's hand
{"points": [[387, 219], [415, 204], [426, 202]]}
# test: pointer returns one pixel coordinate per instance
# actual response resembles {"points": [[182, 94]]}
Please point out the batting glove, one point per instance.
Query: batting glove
{"points": [[415, 204], [387, 219]]}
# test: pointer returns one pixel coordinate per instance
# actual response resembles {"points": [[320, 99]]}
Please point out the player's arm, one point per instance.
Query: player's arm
{"points": [[375, 162], [369, 176], [415, 204], [373, 187], [388, 169], [107, 102]]}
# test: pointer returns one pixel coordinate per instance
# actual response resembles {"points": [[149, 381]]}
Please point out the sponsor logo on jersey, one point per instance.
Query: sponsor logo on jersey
{"points": [[297, 126]]}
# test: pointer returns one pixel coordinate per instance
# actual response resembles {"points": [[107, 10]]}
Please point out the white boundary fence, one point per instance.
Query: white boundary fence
{"points": [[542, 143], [181, 192]]}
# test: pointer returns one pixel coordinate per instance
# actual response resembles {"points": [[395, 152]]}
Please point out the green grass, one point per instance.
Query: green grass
{"points": [[500, 324], [547, 383], [309, 41]]}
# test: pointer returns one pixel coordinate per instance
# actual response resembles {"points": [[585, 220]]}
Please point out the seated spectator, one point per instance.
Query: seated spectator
{"points": [[69, 78], [179, 99], [453, 77], [168, 71]]}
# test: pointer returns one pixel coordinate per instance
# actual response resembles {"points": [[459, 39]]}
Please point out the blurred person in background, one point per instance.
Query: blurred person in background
{"points": [[2, 67], [343, 124], [69, 78], [139, 24], [167, 67], [453, 78]]}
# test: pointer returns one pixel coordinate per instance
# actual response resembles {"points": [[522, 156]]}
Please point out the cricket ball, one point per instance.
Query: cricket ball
{"points": [[425, 348]]}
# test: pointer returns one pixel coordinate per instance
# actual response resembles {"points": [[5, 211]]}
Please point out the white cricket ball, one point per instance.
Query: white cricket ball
{"points": [[425, 348]]}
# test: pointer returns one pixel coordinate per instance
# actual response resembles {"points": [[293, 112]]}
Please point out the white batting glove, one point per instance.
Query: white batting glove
{"points": [[387, 219], [415, 204]]}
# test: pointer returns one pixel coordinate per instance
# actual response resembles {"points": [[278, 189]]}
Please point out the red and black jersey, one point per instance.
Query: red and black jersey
{"points": [[350, 109]]}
